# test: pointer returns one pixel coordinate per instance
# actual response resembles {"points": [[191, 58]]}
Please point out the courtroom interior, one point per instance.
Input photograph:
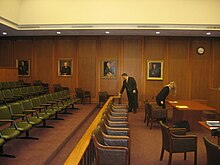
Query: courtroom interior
{"points": [[61, 66]]}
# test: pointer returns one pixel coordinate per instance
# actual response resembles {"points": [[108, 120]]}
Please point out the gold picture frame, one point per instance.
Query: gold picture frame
{"points": [[65, 67], [154, 69], [24, 67]]}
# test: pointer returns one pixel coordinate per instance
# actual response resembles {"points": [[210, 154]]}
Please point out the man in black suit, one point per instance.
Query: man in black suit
{"points": [[130, 85]]}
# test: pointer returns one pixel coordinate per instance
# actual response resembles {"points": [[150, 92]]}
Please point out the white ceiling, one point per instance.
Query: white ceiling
{"points": [[117, 30]]}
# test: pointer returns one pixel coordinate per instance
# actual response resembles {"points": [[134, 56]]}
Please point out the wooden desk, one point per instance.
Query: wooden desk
{"points": [[203, 124], [192, 113]]}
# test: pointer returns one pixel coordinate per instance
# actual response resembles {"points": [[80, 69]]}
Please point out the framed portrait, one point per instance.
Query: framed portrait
{"points": [[65, 67], [155, 70], [23, 67], [108, 69]]}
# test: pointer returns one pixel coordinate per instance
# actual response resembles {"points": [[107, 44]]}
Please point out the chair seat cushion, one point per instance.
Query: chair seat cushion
{"points": [[9, 133]]}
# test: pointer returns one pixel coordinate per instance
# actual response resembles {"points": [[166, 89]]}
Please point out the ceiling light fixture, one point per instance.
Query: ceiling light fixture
{"points": [[157, 32], [208, 33], [4, 33], [58, 32], [107, 32]]}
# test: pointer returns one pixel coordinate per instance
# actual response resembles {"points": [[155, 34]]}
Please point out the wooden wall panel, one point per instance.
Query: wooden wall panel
{"points": [[178, 66], [194, 74], [200, 69], [23, 50], [65, 49], [216, 77], [132, 63], [43, 61], [6, 53], [87, 52], [154, 49], [109, 49], [8, 74]]}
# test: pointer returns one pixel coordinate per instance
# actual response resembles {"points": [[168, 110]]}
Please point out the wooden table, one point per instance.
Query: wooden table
{"points": [[190, 111], [203, 124]]}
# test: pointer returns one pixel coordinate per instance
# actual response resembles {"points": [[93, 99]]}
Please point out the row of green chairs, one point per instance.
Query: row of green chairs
{"points": [[13, 84], [25, 114], [15, 94]]}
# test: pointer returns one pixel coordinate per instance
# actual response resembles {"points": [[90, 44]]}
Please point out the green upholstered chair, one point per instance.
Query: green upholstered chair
{"points": [[16, 92], [50, 108], [8, 96], [22, 126], [17, 111], [2, 142], [71, 100], [83, 95], [25, 92], [175, 140], [2, 99], [37, 105], [213, 152], [111, 149], [27, 105]]}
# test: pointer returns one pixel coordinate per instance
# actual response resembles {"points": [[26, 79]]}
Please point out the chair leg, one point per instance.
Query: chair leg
{"points": [[2, 154], [195, 158], [184, 155], [151, 123], [170, 159], [161, 154]]}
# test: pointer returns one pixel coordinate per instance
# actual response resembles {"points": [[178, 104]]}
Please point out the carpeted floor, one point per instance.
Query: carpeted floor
{"points": [[146, 143], [51, 140]]}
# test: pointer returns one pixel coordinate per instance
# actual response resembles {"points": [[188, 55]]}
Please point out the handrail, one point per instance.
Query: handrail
{"points": [[78, 152]]}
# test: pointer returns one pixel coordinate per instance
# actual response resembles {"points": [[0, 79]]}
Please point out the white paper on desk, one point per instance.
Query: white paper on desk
{"points": [[172, 102], [214, 128], [212, 121], [182, 106]]}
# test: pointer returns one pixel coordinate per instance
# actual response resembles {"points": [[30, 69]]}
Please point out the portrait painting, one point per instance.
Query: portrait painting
{"points": [[154, 70], [65, 67], [108, 69], [23, 67]]}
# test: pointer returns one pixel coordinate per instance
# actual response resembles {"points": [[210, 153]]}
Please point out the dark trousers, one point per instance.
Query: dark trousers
{"points": [[132, 101]]}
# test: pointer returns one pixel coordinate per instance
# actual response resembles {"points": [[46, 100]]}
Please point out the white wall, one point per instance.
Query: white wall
{"points": [[112, 11]]}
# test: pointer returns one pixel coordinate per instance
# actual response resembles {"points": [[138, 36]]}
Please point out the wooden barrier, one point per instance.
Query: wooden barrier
{"points": [[80, 149]]}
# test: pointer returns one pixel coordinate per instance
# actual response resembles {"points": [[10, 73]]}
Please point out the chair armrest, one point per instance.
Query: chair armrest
{"points": [[11, 121], [116, 140], [178, 131]]}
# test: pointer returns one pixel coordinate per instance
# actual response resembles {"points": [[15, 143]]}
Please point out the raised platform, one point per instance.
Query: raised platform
{"points": [[51, 140]]}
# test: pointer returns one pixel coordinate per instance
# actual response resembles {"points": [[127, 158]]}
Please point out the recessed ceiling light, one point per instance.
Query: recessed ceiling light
{"points": [[107, 32], [58, 32], [4, 33], [208, 33], [157, 32]]}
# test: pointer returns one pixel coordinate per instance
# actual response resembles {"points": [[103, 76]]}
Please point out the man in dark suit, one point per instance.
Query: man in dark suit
{"points": [[130, 85]]}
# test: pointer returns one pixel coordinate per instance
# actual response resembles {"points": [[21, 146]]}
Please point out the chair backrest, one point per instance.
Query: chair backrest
{"points": [[98, 136], [213, 152], [4, 114], [16, 108], [102, 125], [35, 102], [165, 136], [26, 105], [79, 92], [7, 93]]}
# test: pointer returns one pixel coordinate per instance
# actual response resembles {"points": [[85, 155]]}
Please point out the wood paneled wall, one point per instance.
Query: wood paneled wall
{"points": [[8, 74], [193, 73]]}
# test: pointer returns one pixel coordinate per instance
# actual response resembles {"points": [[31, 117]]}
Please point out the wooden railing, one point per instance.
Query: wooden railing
{"points": [[83, 152]]}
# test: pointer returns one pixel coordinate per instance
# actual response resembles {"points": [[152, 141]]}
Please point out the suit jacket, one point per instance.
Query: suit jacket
{"points": [[162, 95], [129, 86]]}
